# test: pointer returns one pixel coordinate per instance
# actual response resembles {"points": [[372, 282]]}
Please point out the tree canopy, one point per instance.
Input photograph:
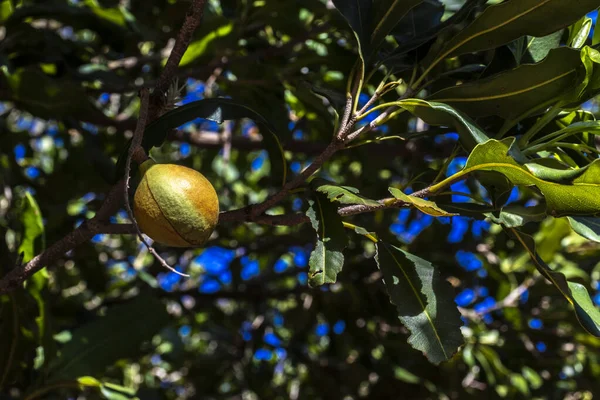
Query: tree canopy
{"points": [[409, 198]]}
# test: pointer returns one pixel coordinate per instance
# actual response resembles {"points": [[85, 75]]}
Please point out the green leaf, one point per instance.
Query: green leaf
{"points": [[424, 300], [505, 22], [519, 383], [336, 99], [199, 47], [576, 294], [388, 13], [6, 9], [89, 381], [425, 206], [358, 14], [588, 227], [537, 48], [512, 215], [534, 379], [438, 114], [217, 110], [341, 194], [119, 334], [33, 228], [580, 35], [116, 392], [520, 90], [327, 259], [421, 25], [581, 196], [117, 16], [596, 36], [543, 168]]}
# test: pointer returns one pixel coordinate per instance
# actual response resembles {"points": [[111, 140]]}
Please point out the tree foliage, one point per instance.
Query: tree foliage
{"points": [[409, 194]]}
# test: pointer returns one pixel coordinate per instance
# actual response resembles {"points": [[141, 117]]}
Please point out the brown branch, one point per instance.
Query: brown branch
{"points": [[117, 229], [342, 137], [184, 38]]}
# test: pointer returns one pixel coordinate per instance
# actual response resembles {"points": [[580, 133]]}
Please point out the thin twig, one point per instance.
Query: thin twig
{"points": [[511, 300], [184, 38], [297, 181], [136, 148]]}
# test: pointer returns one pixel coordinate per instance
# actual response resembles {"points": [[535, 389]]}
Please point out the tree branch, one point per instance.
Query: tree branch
{"points": [[184, 38], [15, 278]]}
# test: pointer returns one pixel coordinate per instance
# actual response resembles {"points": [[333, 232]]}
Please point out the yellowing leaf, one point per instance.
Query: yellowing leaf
{"points": [[426, 206]]}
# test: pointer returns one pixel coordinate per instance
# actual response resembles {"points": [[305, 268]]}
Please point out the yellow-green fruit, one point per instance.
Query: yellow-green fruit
{"points": [[175, 205]]}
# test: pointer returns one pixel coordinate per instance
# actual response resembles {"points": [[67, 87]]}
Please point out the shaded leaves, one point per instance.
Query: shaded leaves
{"points": [[424, 301]]}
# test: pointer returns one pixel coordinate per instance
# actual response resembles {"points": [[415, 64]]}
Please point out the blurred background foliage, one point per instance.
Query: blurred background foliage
{"points": [[107, 321]]}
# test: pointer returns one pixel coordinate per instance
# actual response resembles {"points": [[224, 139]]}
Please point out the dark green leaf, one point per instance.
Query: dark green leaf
{"points": [[515, 92], [576, 294], [420, 19], [422, 25], [13, 345], [359, 15], [119, 334], [505, 22], [327, 259], [424, 300], [388, 13], [51, 98], [588, 227], [341, 194], [336, 99]]}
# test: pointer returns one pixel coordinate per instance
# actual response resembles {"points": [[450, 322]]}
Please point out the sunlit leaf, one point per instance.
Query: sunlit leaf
{"points": [[426, 206], [580, 196], [341, 194], [326, 260], [199, 47], [588, 227]]}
